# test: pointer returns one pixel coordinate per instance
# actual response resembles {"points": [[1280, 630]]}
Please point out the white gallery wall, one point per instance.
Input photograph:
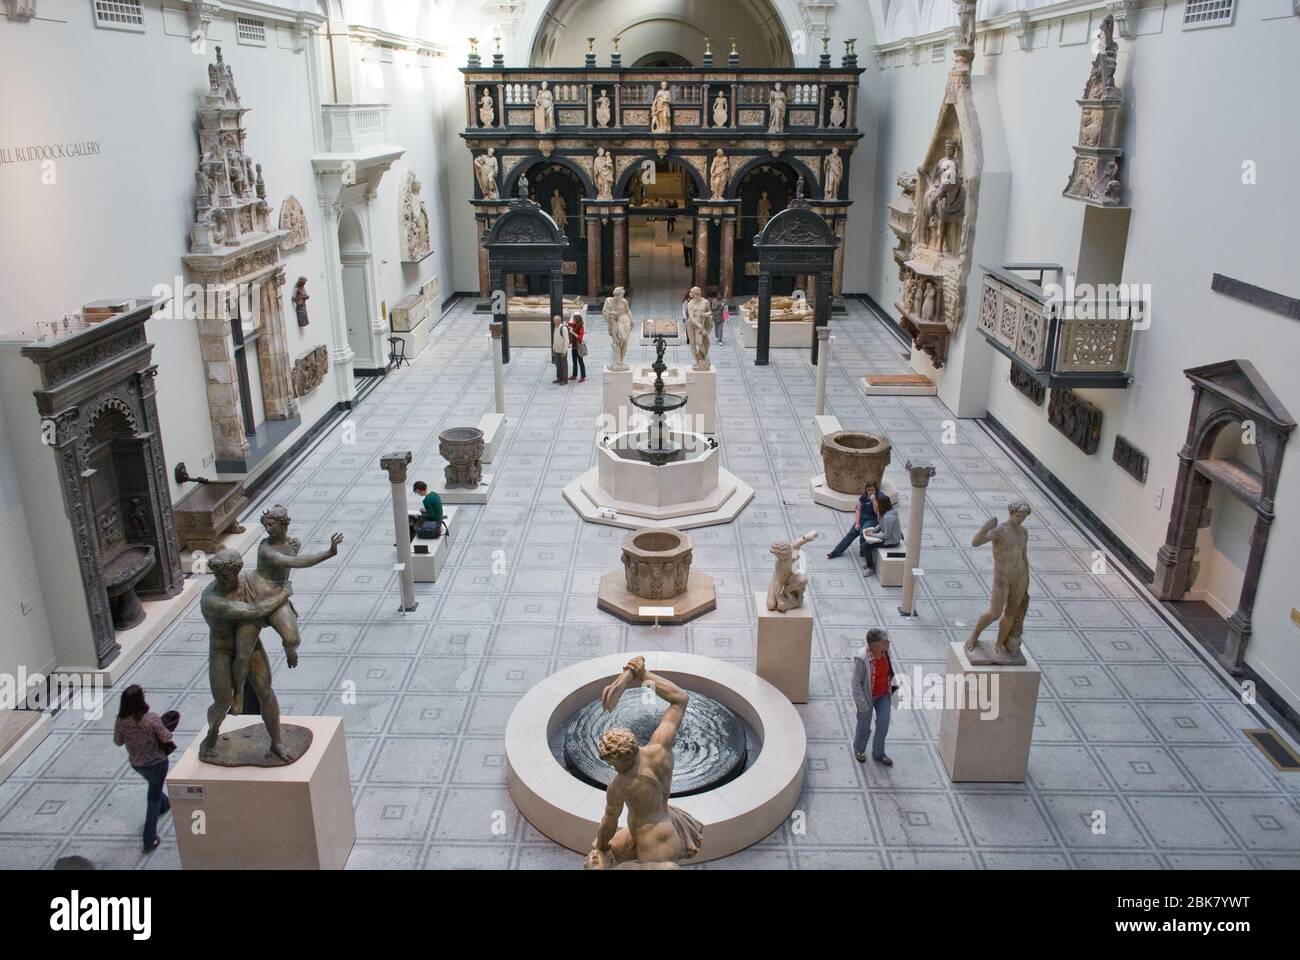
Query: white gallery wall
{"points": [[115, 222], [1199, 105]]}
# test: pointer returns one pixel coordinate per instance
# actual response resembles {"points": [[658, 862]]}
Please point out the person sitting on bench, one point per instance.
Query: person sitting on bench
{"points": [[429, 523], [863, 517], [888, 531]]}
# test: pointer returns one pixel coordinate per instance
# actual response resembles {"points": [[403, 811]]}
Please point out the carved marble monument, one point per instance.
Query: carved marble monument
{"points": [[943, 205], [1096, 177], [235, 256], [309, 370], [415, 243], [1010, 597], [485, 172], [618, 318], [699, 323]]}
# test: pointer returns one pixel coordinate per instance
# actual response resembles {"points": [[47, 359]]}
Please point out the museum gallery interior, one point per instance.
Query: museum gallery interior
{"points": [[594, 434]]}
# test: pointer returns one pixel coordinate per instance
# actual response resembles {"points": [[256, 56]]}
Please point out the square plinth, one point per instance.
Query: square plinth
{"points": [[470, 495], [987, 746], [783, 652], [295, 817], [614, 405], [614, 598]]}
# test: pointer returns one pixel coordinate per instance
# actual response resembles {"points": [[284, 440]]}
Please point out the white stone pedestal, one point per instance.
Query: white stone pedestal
{"points": [[448, 494], [295, 817], [617, 388], [993, 748], [493, 426], [701, 408], [783, 651]]}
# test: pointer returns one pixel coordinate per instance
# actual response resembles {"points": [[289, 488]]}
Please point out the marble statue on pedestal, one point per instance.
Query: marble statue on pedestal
{"points": [[1010, 597], [485, 172], [720, 111], [699, 322], [657, 834], [661, 110], [785, 592], [602, 170], [834, 174], [838, 112], [719, 174], [776, 109], [544, 110], [618, 318]]}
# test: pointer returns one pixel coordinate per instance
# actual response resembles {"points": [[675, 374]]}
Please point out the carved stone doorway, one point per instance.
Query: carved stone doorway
{"points": [[1227, 395]]}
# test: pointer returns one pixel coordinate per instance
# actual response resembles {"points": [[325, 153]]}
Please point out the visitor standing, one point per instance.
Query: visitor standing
{"points": [[672, 217], [560, 338], [873, 687], [578, 334], [144, 735], [688, 247], [716, 308]]}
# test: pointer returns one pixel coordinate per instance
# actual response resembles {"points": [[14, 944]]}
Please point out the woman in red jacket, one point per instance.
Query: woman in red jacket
{"points": [[579, 348]]}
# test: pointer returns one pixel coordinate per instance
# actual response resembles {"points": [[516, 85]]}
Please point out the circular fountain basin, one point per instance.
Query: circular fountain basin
{"points": [[735, 815], [625, 476]]}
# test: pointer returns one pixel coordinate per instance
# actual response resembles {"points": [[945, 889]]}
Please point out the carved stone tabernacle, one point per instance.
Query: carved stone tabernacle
{"points": [[1096, 178]]}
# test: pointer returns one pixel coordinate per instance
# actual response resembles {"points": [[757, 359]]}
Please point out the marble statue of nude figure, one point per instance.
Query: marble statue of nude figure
{"points": [[657, 834], [277, 557], [1010, 597]]}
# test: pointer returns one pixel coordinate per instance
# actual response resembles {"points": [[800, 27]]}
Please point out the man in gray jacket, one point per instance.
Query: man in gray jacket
{"points": [[873, 685]]}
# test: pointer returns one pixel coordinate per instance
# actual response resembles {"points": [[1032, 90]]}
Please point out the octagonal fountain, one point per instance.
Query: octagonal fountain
{"points": [[738, 799], [658, 476]]}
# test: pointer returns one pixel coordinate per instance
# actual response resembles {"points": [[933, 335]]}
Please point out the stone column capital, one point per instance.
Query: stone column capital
{"points": [[824, 334], [495, 330], [920, 472], [395, 465]]}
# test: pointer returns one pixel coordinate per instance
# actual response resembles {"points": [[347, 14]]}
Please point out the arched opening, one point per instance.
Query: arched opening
{"points": [[764, 189], [559, 190], [661, 59], [671, 34], [354, 257]]}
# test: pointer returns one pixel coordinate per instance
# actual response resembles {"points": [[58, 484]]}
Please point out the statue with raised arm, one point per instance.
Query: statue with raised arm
{"points": [[277, 557], [618, 318], [1010, 587], [236, 618], [657, 834], [785, 592]]}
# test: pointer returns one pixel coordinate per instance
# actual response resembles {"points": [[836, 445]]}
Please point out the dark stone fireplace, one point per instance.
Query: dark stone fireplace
{"points": [[100, 417]]}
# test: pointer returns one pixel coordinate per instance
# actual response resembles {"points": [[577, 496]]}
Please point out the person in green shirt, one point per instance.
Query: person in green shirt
{"points": [[429, 522]]}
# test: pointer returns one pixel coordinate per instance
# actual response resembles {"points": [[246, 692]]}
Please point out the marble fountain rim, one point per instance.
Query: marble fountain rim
{"points": [[735, 815]]}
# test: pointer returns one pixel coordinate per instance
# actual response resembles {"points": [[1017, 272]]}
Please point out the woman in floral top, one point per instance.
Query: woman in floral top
{"points": [[142, 732]]}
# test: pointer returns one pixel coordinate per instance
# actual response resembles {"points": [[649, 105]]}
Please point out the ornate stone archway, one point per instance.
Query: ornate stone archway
{"points": [[1226, 393], [523, 240]]}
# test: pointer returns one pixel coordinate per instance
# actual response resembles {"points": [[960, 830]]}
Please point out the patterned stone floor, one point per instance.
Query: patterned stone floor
{"points": [[1130, 720]]}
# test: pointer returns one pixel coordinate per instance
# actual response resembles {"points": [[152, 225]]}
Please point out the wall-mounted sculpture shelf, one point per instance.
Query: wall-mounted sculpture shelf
{"points": [[1021, 319]]}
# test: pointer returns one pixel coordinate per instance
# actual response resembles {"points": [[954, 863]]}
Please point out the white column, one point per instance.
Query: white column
{"points": [[919, 472], [498, 368], [341, 354], [395, 464], [823, 364]]}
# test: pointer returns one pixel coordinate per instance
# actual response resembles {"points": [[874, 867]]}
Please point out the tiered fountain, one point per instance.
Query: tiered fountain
{"points": [[657, 448]]}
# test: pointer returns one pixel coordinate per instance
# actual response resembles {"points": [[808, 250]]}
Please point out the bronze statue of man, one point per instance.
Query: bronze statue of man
{"points": [[657, 834], [231, 621]]}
